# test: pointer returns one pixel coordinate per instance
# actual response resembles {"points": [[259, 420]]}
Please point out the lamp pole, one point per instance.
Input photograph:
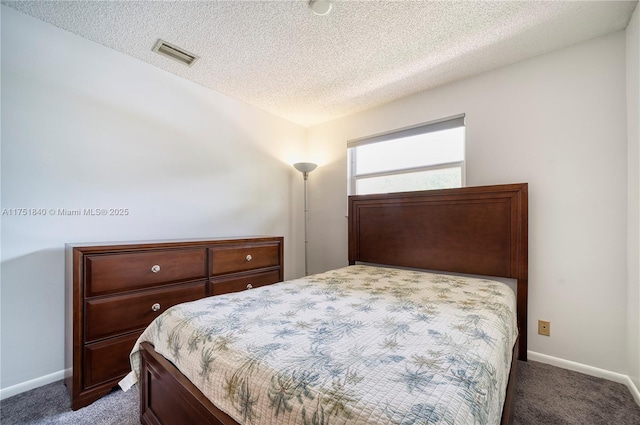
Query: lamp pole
{"points": [[305, 168]]}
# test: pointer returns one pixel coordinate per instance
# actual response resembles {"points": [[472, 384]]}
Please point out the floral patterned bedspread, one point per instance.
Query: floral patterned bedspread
{"points": [[356, 345]]}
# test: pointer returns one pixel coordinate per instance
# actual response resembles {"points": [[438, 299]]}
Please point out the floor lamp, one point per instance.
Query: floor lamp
{"points": [[305, 168]]}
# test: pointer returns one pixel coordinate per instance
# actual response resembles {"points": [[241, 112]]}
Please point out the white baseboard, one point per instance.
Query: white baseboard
{"points": [[532, 355], [587, 370], [29, 385]]}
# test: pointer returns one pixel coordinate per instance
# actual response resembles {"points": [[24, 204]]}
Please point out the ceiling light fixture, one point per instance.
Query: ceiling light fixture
{"points": [[321, 7]]}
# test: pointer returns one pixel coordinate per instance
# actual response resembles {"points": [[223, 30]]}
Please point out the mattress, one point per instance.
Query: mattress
{"points": [[356, 345]]}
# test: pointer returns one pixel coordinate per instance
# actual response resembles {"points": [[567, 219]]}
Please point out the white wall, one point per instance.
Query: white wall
{"points": [[86, 127], [633, 215], [558, 122]]}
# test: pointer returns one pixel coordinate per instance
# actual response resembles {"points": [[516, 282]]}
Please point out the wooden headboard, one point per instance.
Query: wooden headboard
{"points": [[479, 230]]}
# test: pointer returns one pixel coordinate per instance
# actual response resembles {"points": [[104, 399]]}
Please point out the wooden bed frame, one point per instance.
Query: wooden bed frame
{"points": [[475, 230]]}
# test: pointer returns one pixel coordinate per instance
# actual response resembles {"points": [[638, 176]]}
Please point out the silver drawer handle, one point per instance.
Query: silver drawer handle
{"points": [[155, 268], [155, 307], [249, 257], [249, 286]]}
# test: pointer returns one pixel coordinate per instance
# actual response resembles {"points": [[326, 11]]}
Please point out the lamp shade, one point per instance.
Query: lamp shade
{"points": [[305, 167]]}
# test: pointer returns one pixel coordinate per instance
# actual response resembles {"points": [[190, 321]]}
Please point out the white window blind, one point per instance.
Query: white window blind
{"points": [[422, 157]]}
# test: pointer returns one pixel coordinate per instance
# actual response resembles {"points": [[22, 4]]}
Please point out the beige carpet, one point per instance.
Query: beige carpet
{"points": [[546, 395]]}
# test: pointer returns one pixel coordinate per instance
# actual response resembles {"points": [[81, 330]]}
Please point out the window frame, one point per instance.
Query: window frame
{"points": [[448, 123]]}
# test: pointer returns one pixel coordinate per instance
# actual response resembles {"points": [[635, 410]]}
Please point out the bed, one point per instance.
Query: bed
{"points": [[377, 342]]}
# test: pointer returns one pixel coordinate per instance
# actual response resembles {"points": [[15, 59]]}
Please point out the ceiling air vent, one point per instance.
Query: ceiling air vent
{"points": [[174, 52]]}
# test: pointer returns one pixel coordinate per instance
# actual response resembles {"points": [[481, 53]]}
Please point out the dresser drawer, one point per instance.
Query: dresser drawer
{"points": [[237, 284], [108, 360], [111, 273], [238, 258], [116, 314]]}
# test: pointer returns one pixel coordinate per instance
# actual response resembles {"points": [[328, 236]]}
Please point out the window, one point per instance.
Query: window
{"points": [[422, 157]]}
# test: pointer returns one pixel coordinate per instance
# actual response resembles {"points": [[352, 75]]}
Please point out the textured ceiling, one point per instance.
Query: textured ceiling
{"points": [[279, 56]]}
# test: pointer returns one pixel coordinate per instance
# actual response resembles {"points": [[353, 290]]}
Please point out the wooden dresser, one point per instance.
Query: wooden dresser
{"points": [[114, 291]]}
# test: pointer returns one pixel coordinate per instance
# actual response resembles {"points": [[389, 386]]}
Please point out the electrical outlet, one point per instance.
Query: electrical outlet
{"points": [[544, 327]]}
